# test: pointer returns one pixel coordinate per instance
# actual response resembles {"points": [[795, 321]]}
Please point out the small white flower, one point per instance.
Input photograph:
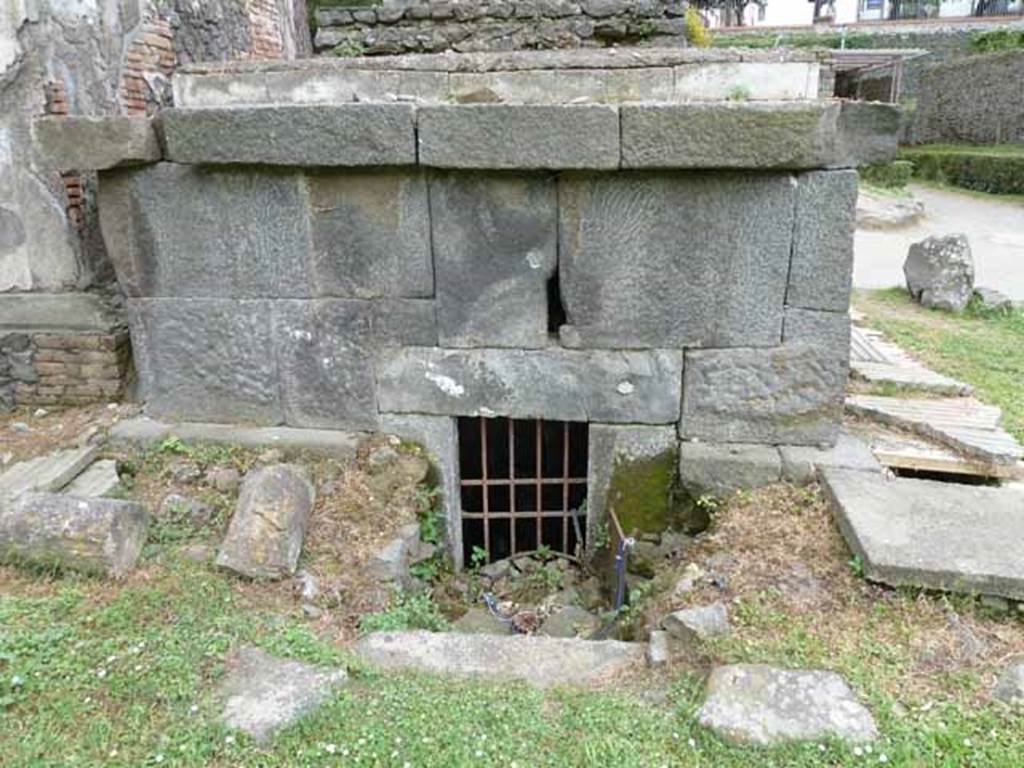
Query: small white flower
{"points": [[159, 758], [692, 742], [101, 672], [858, 751], [113, 753], [193, 709], [867, 748], [479, 753], [967, 742], [821, 747], [229, 739], [17, 681], [883, 758], [330, 748]]}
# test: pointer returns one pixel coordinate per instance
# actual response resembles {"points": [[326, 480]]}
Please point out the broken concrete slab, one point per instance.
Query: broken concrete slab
{"points": [[800, 464], [48, 474], [929, 534], [103, 536], [99, 479], [263, 694], [265, 536], [540, 661], [718, 469], [962, 423], [81, 143], [327, 442], [757, 704]]}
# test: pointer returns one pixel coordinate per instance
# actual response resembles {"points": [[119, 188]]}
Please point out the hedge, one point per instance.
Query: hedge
{"points": [[894, 175], [999, 170]]}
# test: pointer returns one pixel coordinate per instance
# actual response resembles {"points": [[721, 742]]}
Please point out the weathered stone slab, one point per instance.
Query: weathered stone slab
{"points": [[206, 359], [701, 622], [102, 536], [1010, 686], [371, 234], [793, 135], [59, 312], [410, 322], [540, 661], [340, 135], [547, 86], [99, 479], [76, 143], [175, 230], [751, 81], [509, 136], [715, 255], [325, 442], [930, 534], [828, 331], [822, 265], [48, 473], [494, 250], [265, 536], [325, 356], [263, 694], [791, 394], [592, 385], [633, 470], [756, 704], [719, 469], [800, 464]]}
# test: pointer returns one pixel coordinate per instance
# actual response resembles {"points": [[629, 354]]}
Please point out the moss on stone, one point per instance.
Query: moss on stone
{"points": [[642, 492]]}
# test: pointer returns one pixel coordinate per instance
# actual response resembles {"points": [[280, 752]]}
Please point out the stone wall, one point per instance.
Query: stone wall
{"points": [[98, 58], [979, 99], [482, 25]]}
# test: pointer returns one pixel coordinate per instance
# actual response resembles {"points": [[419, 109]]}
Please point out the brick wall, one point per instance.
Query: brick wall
{"points": [[148, 64], [74, 368]]}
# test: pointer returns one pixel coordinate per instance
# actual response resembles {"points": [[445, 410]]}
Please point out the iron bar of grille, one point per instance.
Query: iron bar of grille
{"points": [[524, 481], [512, 486], [483, 474], [540, 473], [565, 485]]}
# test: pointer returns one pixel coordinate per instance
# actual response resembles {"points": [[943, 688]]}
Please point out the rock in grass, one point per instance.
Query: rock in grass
{"points": [[93, 535], [1010, 687], [699, 623], [940, 272], [266, 533], [263, 693], [756, 704]]}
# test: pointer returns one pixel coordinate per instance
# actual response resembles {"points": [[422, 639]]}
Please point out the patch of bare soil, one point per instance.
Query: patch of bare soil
{"points": [[29, 432], [778, 561]]}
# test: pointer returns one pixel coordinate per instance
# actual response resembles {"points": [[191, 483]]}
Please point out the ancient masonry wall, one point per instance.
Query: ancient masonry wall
{"points": [[498, 26], [979, 99], [103, 58]]}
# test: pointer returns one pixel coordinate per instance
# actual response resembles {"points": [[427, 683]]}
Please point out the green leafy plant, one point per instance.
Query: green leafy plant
{"points": [[547, 578], [477, 558], [856, 566], [738, 93], [349, 49], [406, 612]]}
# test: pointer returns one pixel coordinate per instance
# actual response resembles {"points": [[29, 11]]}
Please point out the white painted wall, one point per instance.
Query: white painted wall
{"points": [[795, 13]]}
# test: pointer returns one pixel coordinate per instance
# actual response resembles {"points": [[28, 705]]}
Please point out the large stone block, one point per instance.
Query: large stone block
{"points": [[828, 331], [408, 322], [511, 136], [822, 263], [60, 312], [678, 260], [754, 80], [494, 250], [721, 469], [791, 394], [632, 470], [371, 234], [73, 143], [206, 359], [591, 385], [174, 230], [346, 135], [550, 86], [794, 135], [325, 352]]}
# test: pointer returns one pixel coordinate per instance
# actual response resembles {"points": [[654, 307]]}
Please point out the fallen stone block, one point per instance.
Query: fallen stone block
{"points": [[929, 534], [92, 535], [263, 693], [98, 480], [79, 143], [755, 704], [1010, 687], [658, 648], [701, 622], [47, 474], [570, 621], [718, 469], [266, 533], [940, 272], [540, 661], [800, 464]]}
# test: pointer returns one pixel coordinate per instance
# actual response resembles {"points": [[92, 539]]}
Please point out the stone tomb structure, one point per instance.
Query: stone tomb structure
{"points": [[604, 241]]}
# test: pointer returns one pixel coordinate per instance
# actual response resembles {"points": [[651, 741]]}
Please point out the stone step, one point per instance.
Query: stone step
{"points": [[46, 474], [923, 533], [875, 360], [540, 661], [962, 423], [98, 480]]}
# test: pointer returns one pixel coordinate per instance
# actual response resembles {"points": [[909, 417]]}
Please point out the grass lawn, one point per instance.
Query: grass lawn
{"points": [[984, 351], [100, 673]]}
